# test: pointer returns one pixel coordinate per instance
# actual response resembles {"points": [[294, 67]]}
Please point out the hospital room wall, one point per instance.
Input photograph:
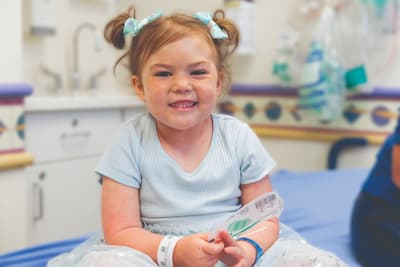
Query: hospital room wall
{"points": [[304, 155], [254, 68], [11, 41]]}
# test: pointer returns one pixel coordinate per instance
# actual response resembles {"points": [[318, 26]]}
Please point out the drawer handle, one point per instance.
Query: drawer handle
{"points": [[74, 135], [38, 192]]}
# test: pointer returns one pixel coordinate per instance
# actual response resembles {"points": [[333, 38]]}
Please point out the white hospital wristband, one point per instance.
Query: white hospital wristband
{"points": [[165, 251]]}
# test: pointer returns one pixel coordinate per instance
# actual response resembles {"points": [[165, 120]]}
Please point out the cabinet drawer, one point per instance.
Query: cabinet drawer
{"points": [[69, 134]]}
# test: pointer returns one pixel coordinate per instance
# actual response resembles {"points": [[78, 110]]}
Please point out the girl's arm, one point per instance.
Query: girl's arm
{"points": [[122, 226], [121, 219], [265, 237]]}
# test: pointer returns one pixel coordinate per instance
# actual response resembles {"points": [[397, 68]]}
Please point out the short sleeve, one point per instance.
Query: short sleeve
{"points": [[120, 160], [255, 161]]}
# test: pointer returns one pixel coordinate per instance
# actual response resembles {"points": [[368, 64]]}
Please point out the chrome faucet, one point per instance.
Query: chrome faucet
{"points": [[95, 76], [75, 74], [57, 88]]}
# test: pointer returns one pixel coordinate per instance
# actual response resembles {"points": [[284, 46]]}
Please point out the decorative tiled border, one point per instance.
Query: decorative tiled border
{"points": [[271, 111]]}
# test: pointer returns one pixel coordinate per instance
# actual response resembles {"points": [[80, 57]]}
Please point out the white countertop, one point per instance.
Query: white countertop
{"points": [[54, 103]]}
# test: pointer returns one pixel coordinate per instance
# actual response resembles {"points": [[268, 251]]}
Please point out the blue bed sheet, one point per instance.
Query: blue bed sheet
{"points": [[38, 256], [317, 205]]}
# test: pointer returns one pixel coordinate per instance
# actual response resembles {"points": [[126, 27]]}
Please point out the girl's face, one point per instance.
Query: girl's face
{"points": [[180, 84]]}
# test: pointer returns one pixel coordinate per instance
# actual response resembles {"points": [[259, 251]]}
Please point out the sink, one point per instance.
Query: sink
{"points": [[78, 102]]}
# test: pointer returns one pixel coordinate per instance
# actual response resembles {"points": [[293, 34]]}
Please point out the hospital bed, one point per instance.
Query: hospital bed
{"points": [[317, 205]]}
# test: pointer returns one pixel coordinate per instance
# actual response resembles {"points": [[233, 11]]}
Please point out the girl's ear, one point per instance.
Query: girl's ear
{"points": [[138, 87]]}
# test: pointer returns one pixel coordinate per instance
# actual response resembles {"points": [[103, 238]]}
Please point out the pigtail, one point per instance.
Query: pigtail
{"points": [[113, 31], [226, 47], [230, 44]]}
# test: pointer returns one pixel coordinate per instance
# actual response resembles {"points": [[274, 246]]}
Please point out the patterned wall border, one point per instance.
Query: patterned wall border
{"points": [[12, 127], [270, 110]]}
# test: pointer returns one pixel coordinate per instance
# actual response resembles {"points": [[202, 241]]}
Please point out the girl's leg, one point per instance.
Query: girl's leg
{"points": [[116, 257], [93, 252], [291, 250]]}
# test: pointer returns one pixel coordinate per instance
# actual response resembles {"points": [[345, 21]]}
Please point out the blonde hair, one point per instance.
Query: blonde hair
{"points": [[167, 29]]}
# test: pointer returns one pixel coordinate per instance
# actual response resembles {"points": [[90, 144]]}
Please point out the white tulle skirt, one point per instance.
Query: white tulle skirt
{"points": [[290, 250]]}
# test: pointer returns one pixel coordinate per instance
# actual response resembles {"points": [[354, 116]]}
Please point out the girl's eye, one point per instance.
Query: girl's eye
{"points": [[163, 74], [198, 72]]}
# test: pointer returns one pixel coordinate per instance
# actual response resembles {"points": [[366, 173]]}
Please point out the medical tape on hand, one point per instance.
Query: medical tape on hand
{"points": [[165, 252]]}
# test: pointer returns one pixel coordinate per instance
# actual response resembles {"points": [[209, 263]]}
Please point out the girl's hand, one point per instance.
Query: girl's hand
{"points": [[195, 250], [236, 253]]}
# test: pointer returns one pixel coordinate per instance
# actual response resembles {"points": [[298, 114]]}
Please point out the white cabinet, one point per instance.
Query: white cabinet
{"points": [[58, 197], [66, 198], [64, 189], [61, 135]]}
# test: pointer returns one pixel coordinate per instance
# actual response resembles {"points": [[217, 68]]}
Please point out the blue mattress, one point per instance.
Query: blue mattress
{"points": [[317, 205], [38, 256]]}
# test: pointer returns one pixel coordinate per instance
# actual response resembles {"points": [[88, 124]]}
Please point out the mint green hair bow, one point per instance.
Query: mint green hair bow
{"points": [[133, 26], [215, 30]]}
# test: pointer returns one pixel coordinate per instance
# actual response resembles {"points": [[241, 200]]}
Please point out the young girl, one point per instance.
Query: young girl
{"points": [[178, 170]]}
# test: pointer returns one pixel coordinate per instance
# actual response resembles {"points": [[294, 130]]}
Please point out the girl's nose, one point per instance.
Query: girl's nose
{"points": [[181, 84]]}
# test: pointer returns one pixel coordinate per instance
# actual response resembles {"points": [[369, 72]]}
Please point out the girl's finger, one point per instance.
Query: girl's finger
{"points": [[227, 239], [234, 252], [212, 248]]}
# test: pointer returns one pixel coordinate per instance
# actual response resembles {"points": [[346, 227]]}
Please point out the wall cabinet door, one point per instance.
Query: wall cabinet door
{"points": [[65, 199]]}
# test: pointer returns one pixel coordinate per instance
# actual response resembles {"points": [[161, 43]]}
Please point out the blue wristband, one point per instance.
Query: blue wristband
{"points": [[254, 244]]}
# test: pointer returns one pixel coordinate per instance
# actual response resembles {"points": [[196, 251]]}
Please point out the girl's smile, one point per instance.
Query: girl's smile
{"points": [[183, 104]]}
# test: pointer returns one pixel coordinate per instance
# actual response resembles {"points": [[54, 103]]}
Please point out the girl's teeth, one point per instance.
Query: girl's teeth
{"points": [[183, 105]]}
